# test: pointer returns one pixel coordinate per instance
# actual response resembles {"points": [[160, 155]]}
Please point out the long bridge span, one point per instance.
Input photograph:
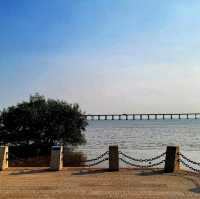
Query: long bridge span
{"points": [[143, 116]]}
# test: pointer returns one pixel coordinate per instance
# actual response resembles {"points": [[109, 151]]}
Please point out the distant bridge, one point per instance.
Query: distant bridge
{"points": [[143, 116]]}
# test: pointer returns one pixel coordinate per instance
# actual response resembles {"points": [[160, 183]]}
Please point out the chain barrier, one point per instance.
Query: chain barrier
{"points": [[142, 160], [189, 160], [12, 157], [96, 159], [185, 162], [142, 166], [188, 166], [149, 160], [96, 163]]}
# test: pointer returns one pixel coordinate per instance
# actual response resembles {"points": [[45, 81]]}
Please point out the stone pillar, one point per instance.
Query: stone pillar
{"points": [[113, 158], [3, 157], [56, 163], [171, 162]]}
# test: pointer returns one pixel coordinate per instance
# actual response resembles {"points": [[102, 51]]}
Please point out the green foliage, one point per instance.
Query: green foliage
{"points": [[42, 123]]}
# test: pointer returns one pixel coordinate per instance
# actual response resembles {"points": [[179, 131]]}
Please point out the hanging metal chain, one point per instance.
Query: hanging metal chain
{"points": [[97, 158], [142, 160], [96, 163], [189, 160], [188, 166], [13, 157], [142, 166]]}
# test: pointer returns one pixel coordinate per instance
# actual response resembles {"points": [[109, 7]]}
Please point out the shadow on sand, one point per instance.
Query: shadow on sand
{"points": [[193, 177], [84, 171], [31, 171], [150, 172]]}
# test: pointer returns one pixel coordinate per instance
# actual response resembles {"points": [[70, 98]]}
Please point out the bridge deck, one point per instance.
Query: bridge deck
{"points": [[142, 116]]}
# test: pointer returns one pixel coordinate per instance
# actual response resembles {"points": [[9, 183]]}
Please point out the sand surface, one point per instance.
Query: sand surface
{"points": [[80, 183]]}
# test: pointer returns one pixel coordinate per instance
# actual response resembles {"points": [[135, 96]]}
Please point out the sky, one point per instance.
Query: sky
{"points": [[109, 56]]}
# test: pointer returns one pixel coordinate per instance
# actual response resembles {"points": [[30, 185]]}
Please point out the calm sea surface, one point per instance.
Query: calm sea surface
{"points": [[143, 138]]}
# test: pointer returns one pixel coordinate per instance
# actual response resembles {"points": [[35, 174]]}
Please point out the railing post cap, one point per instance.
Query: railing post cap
{"points": [[113, 146], [56, 147], [173, 146]]}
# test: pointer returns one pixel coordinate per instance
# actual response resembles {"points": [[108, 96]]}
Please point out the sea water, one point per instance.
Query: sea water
{"points": [[143, 138]]}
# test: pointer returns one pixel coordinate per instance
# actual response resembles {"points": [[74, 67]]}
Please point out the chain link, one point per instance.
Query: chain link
{"points": [[15, 158], [188, 166], [97, 158], [187, 159], [142, 160], [96, 163], [142, 166]]}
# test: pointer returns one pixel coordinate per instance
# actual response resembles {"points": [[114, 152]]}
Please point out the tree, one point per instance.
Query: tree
{"points": [[42, 123]]}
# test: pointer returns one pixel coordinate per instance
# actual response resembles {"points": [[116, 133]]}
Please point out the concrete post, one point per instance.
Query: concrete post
{"points": [[56, 163], [113, 158], [172, 157], [3, 157]]}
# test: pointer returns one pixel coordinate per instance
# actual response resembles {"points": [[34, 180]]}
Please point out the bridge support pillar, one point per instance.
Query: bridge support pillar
{"points": [[113, 158], [56, 163], [3, 158], [171, 162]]}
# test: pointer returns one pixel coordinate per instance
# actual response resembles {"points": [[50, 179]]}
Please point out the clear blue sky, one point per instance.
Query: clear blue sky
{"points": [[110, 56]]}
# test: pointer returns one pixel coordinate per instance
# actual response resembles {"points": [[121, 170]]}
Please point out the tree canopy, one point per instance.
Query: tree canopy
{"points": [[42, 122]]}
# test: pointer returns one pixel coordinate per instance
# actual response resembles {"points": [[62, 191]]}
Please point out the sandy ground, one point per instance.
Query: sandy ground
{"points": [[80, 183]]}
